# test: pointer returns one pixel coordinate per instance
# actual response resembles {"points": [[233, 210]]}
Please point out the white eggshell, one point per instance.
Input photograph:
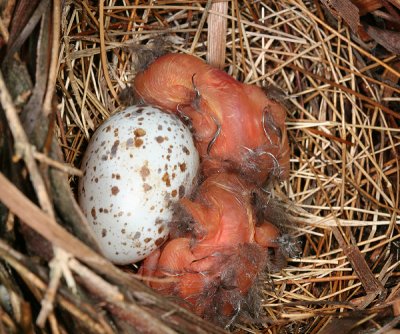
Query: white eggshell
{"points": [[137, 164]]}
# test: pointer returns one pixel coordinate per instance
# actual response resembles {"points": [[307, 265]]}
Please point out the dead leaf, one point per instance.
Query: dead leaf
{"points": [[19, 35], [396, 307], [390, 40], [367, 6], [346, 10], [343, 325]]}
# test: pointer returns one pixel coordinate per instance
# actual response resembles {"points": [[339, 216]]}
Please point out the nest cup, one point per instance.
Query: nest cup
{"points": [[340, 201]]}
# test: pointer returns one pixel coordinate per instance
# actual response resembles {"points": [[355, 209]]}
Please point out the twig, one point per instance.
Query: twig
{"points": [[23, 148], [4, 31], [47, 226], [56, 164], [58, 267], [103, 55], [18, 262], [108, 291], [55, 44], [200, 26], [216, 32]]}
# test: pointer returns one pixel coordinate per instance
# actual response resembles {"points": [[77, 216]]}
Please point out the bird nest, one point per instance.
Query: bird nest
{"points": [[341, 199]]}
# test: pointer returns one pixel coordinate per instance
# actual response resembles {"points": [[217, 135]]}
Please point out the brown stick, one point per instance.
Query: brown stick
{"points": [[55, 43], [20, 264], [23, 148], [216, 39], [103, 56], [47, 226]]}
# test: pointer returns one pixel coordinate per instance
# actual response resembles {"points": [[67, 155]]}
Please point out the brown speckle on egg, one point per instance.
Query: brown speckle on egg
{"points": [[129, 143], [166, 179], [147, 187], [114, 190], [147, 240], [185, 150], [139, 132], [159, 242], [182, 166], [144, 171], [93, 213], [138, 142], [114, 148], [161, 229], [159, 139], [103, 233], [174, 193]]}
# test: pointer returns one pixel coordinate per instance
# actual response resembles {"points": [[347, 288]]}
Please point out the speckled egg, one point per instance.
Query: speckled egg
{"points": [[137, 165]]}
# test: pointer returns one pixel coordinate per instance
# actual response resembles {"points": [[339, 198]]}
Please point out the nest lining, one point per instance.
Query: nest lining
{"points": [[344, 170], [343, 190]]}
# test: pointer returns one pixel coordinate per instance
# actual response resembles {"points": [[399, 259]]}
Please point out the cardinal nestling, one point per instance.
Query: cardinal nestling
{"points": [[241, 138], [236, 127], [216, 262]]}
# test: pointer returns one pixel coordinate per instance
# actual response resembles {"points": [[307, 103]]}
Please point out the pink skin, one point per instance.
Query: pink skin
{"points": [[244, 144], [224, 226], [222, 209], [266, 235], [227, 247]]}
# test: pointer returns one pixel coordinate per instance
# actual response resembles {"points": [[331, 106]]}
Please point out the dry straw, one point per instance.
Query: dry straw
{"points": [[343, 190]]}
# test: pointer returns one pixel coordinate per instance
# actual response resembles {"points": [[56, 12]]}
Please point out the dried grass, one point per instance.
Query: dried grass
{"points": [[343, 125]]}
